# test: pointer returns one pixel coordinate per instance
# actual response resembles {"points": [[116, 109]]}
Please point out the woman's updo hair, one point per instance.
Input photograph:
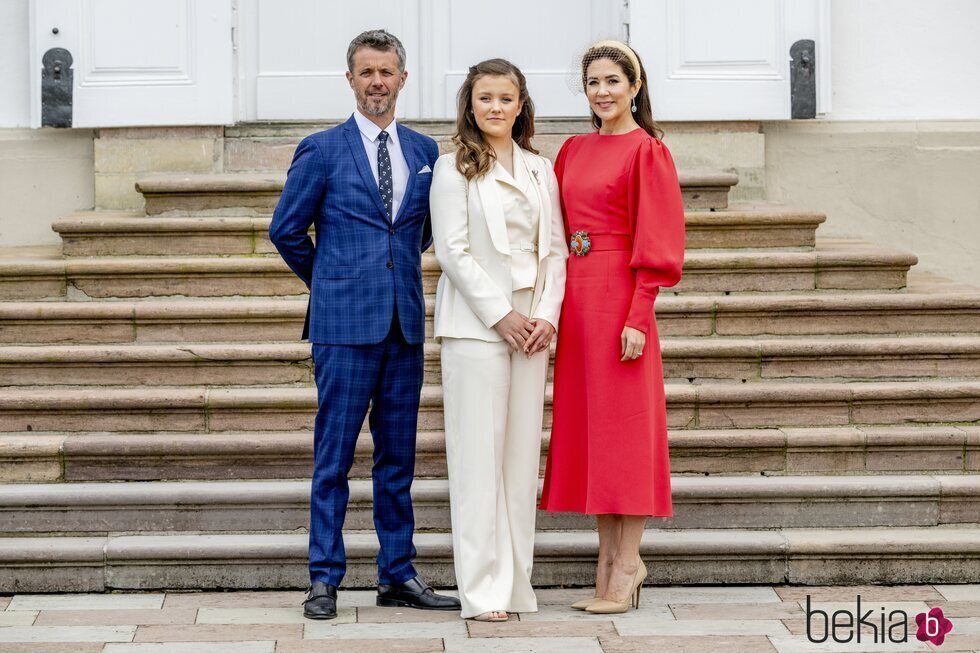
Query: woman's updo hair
{"points": [[618, 55]]}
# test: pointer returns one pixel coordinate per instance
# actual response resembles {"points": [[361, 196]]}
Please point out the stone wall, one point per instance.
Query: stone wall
{"points": [[45, 174], [911, 185], [124, 155]]}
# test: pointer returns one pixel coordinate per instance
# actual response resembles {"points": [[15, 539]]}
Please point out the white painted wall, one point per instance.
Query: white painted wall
{"points": [[905, 60], [15, 105]]}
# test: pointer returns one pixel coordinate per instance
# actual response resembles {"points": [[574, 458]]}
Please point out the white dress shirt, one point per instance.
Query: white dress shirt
{"points": [[399, 167]]}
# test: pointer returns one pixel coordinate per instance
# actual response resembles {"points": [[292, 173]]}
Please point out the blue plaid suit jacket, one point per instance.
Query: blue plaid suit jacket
{"points": [[362, 265]]}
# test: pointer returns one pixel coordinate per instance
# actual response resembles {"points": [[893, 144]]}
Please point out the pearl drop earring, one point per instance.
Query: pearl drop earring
{"points": [[634, 104]]}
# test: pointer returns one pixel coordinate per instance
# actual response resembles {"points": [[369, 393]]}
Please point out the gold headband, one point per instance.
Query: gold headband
{"points": [[625, 49]]}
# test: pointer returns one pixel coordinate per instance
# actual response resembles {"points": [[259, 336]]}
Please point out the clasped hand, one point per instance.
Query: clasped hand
{"points": [[524, 334]]}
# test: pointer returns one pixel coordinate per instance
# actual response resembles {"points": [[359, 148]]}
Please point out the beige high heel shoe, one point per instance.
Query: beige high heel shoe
{"points": [[605, 606], [585, 603]]}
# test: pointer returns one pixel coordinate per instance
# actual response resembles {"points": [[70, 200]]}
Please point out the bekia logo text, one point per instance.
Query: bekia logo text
{"points": [[844, 626]]}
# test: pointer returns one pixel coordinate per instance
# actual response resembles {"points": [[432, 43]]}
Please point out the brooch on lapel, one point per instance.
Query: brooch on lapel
{"points": [[537, 179]]}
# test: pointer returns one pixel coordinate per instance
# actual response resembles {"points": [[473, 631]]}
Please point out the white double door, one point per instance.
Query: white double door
{"points": [[297, 50], [179, 62]]}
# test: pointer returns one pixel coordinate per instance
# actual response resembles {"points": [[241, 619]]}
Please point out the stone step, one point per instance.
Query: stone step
{"points": [[230, 455], [242, 364], [813, 556], [131, 364], [112, 233], [833, 265], [699, 502], [689, 406], [107, 233], [258, 193], [923, 310], [839, 265]]}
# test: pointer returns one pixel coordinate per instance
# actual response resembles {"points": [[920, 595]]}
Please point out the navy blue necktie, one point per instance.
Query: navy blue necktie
{"points": [[384, 173]]}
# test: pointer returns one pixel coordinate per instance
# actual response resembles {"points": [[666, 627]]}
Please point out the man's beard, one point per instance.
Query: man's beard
{"points": [[374, 109]]}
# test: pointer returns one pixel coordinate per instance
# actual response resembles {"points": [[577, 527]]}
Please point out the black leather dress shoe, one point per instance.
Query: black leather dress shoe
{"points": [[414, 594], [321, 602]]}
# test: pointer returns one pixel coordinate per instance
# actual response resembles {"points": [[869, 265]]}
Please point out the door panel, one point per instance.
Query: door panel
{"points": [[167, 62], [302, 55], [719, 59]]}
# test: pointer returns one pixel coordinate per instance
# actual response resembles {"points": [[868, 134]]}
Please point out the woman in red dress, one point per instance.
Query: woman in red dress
{"points": [[623, 214]]}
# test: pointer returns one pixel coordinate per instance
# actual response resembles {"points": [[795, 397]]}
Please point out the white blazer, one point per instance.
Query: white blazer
{"points": [[470, 235]]}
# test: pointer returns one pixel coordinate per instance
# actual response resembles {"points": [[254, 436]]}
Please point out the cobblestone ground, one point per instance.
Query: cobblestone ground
{"points": [[749, 619]]}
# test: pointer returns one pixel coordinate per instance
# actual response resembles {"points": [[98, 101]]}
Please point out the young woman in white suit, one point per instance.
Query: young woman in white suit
{"points": [[500, 240]]}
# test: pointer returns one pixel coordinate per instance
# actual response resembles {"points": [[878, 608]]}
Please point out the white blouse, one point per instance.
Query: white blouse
{"points": [[522, 211]]}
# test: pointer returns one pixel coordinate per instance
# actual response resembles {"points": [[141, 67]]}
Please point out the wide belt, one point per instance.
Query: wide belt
{"points": [[582, 243]]}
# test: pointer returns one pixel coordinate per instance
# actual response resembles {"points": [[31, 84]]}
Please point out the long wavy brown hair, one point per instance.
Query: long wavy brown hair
{"points": [[644, 109], [474, 156]]}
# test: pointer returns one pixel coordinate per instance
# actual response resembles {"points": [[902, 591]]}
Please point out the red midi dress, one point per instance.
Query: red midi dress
{"points": [[608, 452]]}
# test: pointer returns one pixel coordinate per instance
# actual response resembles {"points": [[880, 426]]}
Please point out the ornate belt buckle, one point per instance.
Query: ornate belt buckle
{"points": [[580, 244]]}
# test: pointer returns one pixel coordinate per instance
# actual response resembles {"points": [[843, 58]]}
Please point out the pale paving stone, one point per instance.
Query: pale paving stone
{"points": [[218, 633], [954, 643], [326, 630], [563, 597], [18, 618], [366, 598], [957, 608], [797, 644], [376, 615], [266, 616], [67, 633], [689, 644], [682, 611], [86, 602], [959, 592], [192, 647], [699, 627], [965, 626], [235, 600], [4, 602], [565, 613], [361, 646], [52, 647], [736, 594], [115, 617], [533, 645], [590, 626], [850, 592]]}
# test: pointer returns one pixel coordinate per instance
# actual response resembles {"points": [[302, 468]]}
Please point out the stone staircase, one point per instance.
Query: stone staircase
{"points": [[156, 407]]}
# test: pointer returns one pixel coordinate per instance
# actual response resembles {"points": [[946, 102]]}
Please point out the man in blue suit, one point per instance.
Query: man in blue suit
{"points": [[365, 187]]}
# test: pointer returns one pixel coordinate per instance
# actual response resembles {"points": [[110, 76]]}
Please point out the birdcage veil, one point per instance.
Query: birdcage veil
{"points": [[612, 49], [622, 54]]}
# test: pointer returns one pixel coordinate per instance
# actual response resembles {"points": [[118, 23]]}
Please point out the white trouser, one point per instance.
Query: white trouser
{"points": [[494, 404]]}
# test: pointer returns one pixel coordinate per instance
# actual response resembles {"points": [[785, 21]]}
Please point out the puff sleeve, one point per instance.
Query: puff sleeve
{"points": [[657, 225]]}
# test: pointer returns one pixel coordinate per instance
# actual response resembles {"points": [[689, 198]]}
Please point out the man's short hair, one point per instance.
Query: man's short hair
{"points": [[376, 39]]}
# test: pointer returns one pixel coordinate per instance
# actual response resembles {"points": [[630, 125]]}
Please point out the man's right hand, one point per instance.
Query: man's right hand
{"points": [[515, 329]]}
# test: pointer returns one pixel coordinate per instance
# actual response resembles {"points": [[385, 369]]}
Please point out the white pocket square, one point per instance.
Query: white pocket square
{"points": [[424, 170]]}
